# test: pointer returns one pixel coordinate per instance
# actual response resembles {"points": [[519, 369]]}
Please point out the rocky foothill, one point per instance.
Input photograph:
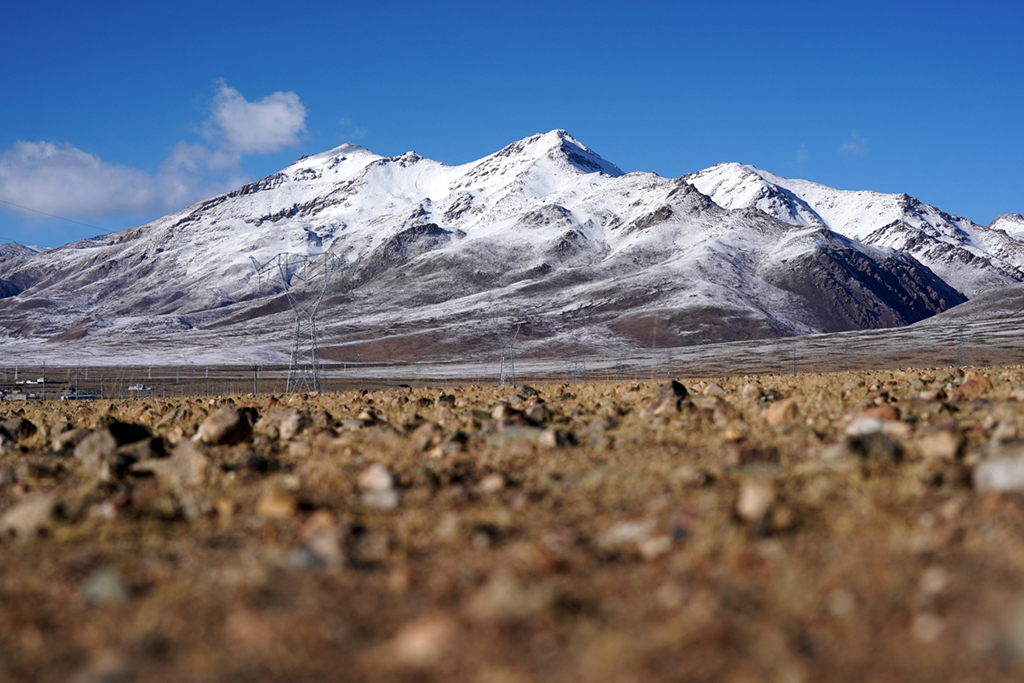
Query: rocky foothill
{"points": [[815, 527]]}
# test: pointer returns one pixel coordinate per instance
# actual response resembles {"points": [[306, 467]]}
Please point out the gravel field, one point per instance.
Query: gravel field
{"points": [[845, 526]]}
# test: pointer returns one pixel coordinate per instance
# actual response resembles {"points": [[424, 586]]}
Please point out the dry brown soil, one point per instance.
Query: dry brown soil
{"points": [[600, 532]]}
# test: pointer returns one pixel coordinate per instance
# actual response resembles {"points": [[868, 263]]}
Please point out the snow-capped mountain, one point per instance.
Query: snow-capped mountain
{"points": [[970, 257], [544, 230], [1010, 223]]}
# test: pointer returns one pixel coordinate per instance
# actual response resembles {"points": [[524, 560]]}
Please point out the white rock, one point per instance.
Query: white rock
{"points": [[28, 517], [999, 474]]}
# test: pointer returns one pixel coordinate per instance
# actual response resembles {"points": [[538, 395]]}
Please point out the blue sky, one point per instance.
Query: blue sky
{"points": [[114, 113]]}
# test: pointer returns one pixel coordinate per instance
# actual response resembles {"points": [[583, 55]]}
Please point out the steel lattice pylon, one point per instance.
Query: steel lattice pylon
{"points": [[507, 369], [576, 367], [304, 280]]}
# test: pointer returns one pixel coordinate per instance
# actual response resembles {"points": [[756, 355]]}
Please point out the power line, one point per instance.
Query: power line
{"points": [[49, 215]]}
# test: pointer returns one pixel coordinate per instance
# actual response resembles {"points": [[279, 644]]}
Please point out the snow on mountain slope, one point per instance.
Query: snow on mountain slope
{"points": [[1010, 223], [970, 257], [544, 229]]}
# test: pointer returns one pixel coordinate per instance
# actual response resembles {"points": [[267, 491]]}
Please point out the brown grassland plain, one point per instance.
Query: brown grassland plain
{"points": [[814, 527]]}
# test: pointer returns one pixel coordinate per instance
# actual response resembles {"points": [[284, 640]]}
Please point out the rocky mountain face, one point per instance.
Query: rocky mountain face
{"points": [[543, 232], [967, 256]]}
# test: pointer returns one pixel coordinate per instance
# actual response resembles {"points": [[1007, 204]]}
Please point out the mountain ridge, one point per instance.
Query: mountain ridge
{"points": [[544, 229]]}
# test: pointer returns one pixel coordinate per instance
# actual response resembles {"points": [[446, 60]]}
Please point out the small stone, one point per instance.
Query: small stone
{"points": [[28, 517], [743, 455], [736, 432], [375, 478], [95, 452], [875, 446], [225, 508], [382, 500], [714, 390], [104, 587], [186, 468], [926, 627], [840, 603], [292, 425], [492, 483], [939, 444], [1018, 394], [934, 580], [106, 666], [378, 488], [321, 547], [754, 500], [275, 505], [18, 428], [504, 598], [782, 411], [426, 436], [538, 414], [555, 438], [369, 418], [974, 385], [929, 395], [882, 412], [655, 546], [999, 474], [104, 511], [516, 437], [426, 640], [226, 426], [627, 536], [668, 400], [127, 432], [194, 505], [751, 392], [864, 425], [1005, 432]]}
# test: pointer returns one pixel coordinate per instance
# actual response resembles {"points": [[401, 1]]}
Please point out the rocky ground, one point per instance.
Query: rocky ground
{"points": [[817, 527]]}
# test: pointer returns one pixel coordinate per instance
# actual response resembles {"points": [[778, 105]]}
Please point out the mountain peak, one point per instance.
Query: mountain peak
{"points": [[559, 141], [347, 149]]}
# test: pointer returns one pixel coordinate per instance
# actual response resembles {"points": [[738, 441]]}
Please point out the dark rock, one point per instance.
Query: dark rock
{"points": [[125, 432], [875, 446], [669, 399], [18, 428]]}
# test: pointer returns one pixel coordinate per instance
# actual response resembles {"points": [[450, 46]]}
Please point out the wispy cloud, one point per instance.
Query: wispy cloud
{"points": [[350, 131], [801, 154], [61, 179], [854, 145]]}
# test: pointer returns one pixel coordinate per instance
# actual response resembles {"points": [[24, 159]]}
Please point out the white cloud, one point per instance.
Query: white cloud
{"points": [[64, 180], [275, 122], [801, 154], [855, 145]]}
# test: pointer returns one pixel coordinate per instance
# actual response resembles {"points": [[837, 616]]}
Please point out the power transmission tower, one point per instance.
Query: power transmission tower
{"points": [[961, 347], [507, 369], [304, 280], [577, 366]]}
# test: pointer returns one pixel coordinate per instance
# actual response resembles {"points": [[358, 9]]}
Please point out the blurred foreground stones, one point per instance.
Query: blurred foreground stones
{"points": [[843, 527]]}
